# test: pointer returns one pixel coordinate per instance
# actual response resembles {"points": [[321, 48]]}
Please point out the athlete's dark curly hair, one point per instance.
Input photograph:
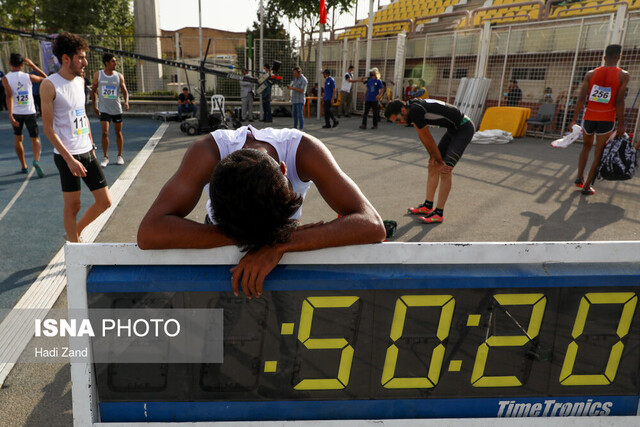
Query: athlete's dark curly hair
{"points": [[68, 44], [251, 200]]}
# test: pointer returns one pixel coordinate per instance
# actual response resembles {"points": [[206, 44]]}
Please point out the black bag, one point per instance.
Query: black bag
{"points": [[619, 160]]}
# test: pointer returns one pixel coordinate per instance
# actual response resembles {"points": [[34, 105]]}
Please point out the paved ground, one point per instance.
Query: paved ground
{"points": [[521, 191], [31, 230]]}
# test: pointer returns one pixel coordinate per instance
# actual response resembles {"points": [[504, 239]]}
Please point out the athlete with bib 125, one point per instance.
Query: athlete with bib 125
{"points": [[605, 88]]}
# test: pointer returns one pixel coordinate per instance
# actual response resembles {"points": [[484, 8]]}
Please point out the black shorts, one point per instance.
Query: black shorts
{"points": [[453, 144], [589, 127], [95, 179], [30, 121], [115, 118]]}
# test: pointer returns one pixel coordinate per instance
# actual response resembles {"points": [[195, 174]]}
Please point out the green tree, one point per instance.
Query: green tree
{"points": [[113, 17]]}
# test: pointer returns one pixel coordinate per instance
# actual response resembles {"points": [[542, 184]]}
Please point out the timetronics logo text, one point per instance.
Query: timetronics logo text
{"points": [[553, 408]]}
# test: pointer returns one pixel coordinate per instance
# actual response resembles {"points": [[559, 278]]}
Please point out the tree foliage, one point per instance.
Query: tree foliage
{"points": [[113, 17]]}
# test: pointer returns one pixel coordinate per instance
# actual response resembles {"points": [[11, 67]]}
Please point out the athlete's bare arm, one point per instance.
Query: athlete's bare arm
{"points": [[358, 223], [47, 95], [164, 225], [125, 92], [582, 97], [9, 98], [41, 74], [94, 92], [624, 80], [430, 144]]}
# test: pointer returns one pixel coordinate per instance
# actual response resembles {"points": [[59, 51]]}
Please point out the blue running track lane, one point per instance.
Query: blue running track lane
{"points": [[31, 230]]}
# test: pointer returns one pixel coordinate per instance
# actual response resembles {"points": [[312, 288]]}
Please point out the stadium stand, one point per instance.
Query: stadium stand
{"points": [[401, 15]]}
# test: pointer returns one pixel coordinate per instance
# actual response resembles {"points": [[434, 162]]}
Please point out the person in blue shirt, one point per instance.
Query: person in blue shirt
{"points": [[374, 92], [329, 98], [36, 91]]}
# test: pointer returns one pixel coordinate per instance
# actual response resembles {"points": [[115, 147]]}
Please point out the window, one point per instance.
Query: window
{"points": [[458, 73], [528, 73]]}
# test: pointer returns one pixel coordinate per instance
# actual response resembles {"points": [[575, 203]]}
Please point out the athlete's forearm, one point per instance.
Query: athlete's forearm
{"points": [[352, 229], [174, 232]]}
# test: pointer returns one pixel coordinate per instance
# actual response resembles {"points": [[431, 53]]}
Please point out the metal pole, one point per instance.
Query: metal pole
{"points": [[369, 35], [319, 69], [573, 72], [504, 66], [451, 66], [177, 59], [261, 62], [200, 26]]}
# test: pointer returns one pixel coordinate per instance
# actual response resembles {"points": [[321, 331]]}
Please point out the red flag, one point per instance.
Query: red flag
{"points": [[323, 12]]}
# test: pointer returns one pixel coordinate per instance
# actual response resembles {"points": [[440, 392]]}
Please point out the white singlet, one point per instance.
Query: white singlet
{"points": [[22, 94], [285, 141], [70, 121]]}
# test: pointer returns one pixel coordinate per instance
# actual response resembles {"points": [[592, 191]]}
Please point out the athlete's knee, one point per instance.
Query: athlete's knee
{"points": [[72, 207], [104, 203]]}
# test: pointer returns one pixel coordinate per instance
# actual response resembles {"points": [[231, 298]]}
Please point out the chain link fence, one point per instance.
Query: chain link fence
{"points": [[548, 60]]}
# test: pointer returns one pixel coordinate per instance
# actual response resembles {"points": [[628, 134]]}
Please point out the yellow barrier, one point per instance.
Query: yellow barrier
{"points": [[509, 119]]}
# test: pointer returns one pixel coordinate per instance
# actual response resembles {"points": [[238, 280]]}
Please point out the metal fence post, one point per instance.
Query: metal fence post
{"points": [[504, 65], [573, 73], [452, 63]]}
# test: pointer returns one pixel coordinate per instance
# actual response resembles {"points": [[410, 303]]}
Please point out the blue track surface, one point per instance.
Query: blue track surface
{"points": [[32, 231]]}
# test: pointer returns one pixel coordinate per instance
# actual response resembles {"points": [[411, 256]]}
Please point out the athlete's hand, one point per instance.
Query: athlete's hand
{"points": [[28, 62], [126, 106], [95, 110], [13, 121], [252, 270], [621, 130], [444, 169], [76, 168]]}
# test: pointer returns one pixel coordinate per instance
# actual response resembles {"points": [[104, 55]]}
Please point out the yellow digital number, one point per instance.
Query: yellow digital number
{"points": [[304, 334], [629, 300], [539, 302], [447, 302]]}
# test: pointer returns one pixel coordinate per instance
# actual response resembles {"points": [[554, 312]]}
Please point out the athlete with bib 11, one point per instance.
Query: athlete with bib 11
{"points": [[605, 87], [65, 123]]}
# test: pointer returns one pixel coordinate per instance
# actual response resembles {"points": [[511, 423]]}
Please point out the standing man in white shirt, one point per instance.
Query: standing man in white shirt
{"points": [[66, 124], [18, 88], [345, 92], [108, 85]]}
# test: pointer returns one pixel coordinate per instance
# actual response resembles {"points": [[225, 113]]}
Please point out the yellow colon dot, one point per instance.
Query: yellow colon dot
{"points": [[270, 366]]}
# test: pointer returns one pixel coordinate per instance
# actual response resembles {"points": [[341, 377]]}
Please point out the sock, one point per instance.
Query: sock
{"points": [[427, 204], [438, 212]]}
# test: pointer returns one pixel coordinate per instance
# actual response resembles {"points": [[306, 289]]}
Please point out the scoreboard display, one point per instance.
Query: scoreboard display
{"points": [[386, 341]]}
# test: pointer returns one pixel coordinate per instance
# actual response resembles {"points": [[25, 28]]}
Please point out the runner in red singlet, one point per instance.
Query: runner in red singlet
{"points": [[604, 88]]}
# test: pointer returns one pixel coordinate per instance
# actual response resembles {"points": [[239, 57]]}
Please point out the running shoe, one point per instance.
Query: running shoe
{"points": [[25, 170], [579, 182], [120, 161], [39, 170], [420, 210], [104, 162], [431, 219], [588, 191]]}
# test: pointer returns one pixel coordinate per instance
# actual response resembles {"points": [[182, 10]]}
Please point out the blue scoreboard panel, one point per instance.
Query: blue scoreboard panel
{"points": [[387, 341]]}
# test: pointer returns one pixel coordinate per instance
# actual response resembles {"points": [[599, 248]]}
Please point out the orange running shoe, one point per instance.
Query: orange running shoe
{"points": [[588, 191], [579, 182], [431, 219], [420, 210]]}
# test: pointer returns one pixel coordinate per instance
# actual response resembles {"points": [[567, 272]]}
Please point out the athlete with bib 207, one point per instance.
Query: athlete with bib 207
{"points": [[604, 89], [66, 124]]}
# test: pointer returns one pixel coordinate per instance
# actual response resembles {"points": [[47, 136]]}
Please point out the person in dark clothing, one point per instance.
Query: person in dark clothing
{"points": [[514, 96], [443, 156], [329, 98], [3, 99], [266, 96]]}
